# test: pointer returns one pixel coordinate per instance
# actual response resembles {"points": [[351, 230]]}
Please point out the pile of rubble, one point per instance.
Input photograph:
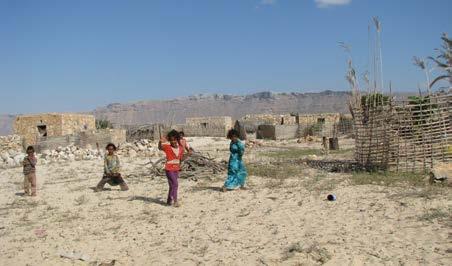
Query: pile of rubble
{"points": [[69, 153], [12, 154], [11, 151], [139, 148]]}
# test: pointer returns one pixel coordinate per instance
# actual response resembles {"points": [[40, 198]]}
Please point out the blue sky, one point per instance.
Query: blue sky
{"points": [[66, 55]]}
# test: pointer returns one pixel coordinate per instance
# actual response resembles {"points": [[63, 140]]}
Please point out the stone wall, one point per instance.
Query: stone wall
{"points": [[277, 132], [102, 137], [204, 131], [34, 127], [217, 126], [27, 126], [86, 139], [270, 119], [73, 123], [286, 132]]}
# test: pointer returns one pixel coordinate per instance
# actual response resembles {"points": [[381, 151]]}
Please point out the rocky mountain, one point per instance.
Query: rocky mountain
{"points": [[175, 111], [6, 123]]}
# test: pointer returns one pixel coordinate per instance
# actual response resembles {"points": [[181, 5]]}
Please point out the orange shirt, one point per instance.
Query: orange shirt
{"points": [[173, 156]]}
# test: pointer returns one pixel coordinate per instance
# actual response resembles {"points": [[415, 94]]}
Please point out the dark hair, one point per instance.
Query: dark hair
{"points": [[30, 148], [173, 134], [111, 145], [181, 134], [232, 133]]}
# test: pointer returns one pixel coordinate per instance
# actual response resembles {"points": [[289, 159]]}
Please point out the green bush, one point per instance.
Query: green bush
{"points": [[103, 124]]}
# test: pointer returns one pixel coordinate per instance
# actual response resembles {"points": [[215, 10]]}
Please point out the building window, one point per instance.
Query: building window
{"points": [[204, 125], [321, 120], [42, 130]]}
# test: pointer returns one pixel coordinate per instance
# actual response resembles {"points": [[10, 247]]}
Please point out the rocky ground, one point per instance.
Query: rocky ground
{"points": [[283, 218]]}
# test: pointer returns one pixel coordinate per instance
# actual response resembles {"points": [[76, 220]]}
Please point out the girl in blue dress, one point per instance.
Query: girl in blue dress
{"points": [[236, 168]]}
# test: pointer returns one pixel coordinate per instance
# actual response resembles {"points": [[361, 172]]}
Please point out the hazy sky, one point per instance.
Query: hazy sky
{"points": [[76, 55]]}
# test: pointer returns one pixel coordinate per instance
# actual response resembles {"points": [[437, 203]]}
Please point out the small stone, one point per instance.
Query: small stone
{"points": [[4, 155]]}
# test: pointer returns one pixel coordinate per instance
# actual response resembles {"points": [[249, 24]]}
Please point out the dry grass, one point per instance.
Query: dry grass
{"points": [[312, 251], [388, 179], [436, 214], [274, 170], [291, 153], [297, 153]]}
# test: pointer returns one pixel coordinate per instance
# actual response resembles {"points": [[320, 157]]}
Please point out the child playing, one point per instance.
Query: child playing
{"points": [[174, 152], [183, 142], [112, 168], [29, 164], [236, 168]]}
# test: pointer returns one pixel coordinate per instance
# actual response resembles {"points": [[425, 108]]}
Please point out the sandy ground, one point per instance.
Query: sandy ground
{"points": [[275, 222]]}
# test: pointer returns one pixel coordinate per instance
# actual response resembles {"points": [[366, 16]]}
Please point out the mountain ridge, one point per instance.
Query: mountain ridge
{"points": [[174, 111]]}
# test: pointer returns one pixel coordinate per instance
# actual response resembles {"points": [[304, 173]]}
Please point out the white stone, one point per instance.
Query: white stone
{"points": [[13, 153], [71, 157], [132, 153], [10, 162], [19, 158], [4, 155]]}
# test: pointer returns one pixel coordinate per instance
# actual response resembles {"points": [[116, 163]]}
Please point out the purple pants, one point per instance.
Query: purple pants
{"points": [[173, 185]]}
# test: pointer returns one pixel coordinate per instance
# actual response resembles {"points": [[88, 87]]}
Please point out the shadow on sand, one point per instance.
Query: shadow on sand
{"points": [[148, 200], [196, 189]]}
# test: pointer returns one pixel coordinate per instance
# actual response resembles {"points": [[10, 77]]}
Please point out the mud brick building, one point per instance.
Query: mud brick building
{"points": [[40, 126], [213, 126]]}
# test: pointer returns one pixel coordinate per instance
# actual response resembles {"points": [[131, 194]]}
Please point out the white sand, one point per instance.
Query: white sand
{"points": [[272, 223]]}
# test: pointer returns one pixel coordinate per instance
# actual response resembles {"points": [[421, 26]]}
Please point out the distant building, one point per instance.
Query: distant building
{"points": [[36, 127], [213, 126]]}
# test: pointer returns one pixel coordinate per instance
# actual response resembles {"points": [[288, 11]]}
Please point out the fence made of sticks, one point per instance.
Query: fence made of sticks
{"points": [[410, 135]]}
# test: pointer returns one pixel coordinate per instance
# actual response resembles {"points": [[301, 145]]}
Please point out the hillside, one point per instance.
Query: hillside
{"points": [[6, 122], [175, 111]]}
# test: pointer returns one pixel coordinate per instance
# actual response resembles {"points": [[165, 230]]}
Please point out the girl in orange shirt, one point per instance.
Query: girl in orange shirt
{"points": [[174, 154]]}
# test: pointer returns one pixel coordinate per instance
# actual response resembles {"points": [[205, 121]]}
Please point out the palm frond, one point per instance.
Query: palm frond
{"points": [[377, 23], [440, 78], [419, 62], [439, 63]]}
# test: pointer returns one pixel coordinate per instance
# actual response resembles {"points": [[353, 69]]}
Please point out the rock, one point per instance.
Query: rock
{"points": [[19, 158], [132, 153], [10, 162], [4, 155], [441, 173], [13, 153], [71, 157]]}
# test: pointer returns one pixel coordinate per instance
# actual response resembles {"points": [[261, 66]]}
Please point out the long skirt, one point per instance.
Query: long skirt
{"points": [[236, 174]]}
